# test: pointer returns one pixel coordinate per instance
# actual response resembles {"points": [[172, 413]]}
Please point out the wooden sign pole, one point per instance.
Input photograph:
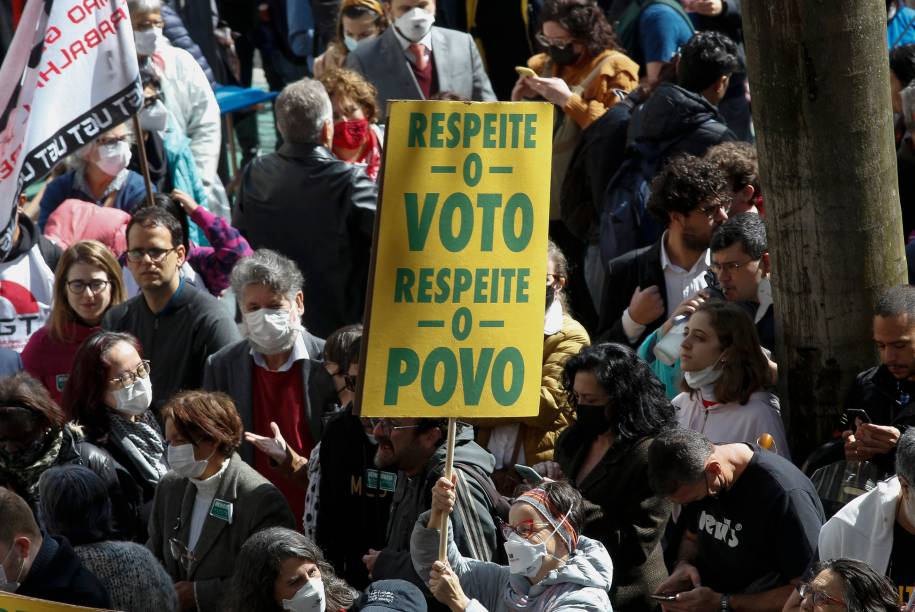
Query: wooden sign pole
{"points": [[449, 465]]}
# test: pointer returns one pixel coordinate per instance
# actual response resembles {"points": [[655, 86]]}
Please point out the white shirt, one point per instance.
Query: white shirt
{"points": [[679, 283], [406, 42], [298, 352], [206, 491]]}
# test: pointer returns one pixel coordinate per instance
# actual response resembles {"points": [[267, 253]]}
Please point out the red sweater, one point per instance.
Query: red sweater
{"points": [[280, 397], [50, 360]]}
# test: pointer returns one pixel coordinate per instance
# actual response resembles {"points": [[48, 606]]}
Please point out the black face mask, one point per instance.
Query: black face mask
{"points": [[550, 295], [593, 419], [563, 56]]}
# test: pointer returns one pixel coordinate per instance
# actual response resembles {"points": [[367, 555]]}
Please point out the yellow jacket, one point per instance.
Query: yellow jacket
{"points": [[539, 433]]}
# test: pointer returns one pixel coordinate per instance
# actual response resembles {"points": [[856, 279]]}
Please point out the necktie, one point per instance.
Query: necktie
{"points": [[419, 53]]}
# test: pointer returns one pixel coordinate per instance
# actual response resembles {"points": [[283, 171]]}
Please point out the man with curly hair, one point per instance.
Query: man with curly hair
{"points": [[689, 198]]}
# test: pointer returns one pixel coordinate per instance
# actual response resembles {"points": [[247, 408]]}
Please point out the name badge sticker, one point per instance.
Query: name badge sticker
{"points": [[221, 510], [387, 481]]}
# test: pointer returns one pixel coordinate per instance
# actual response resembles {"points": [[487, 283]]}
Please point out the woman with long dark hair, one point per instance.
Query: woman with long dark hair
{"points": [[109, 393], [620, 406], [279, 569]]}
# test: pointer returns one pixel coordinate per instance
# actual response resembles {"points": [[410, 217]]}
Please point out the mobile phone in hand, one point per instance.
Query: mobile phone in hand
{"points": [[664, 597]]}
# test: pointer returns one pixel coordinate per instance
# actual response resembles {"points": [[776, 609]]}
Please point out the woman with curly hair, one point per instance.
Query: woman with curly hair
{"points": [[583, 71], [620, 407], [357, 135], [281, 569]]}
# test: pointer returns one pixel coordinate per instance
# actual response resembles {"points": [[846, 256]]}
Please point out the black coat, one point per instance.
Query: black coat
{"points": [[626, 517], [58, 575], [679, 121], [320, 212], [639, 268], [883, 397]]}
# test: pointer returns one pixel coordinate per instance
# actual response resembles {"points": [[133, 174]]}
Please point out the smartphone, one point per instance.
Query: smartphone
{"points": [[858, 413], [525, 71], [529, 474], [664, 597]]}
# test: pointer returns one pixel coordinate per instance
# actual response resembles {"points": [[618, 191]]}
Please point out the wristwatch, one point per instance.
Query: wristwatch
{"points": [[725, 603]]}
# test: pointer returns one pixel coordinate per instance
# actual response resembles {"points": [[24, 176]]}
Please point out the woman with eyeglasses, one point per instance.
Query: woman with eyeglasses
{"points": [[108, 394], [725, 379], [87, 283], [100, 176], [551, 566], [210, 502], [583, 71], [844, 584]]}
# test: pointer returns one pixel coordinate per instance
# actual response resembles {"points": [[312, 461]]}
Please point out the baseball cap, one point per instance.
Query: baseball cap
{"points": [[397, 595]]}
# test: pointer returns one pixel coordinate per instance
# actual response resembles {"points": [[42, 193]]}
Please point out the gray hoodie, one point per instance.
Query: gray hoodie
{"points": [[581, 584], [474, 528]]}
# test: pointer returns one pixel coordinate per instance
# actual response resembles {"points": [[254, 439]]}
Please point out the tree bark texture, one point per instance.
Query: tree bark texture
{"points": [[819, 78]]}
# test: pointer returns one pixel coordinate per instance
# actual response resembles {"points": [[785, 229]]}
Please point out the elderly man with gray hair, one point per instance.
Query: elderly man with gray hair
{"points": [[275, 374], [879, 526], [313, 208]]}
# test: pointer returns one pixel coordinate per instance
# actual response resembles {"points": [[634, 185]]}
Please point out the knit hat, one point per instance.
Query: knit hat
{"points": [[386, 595], [539, 499]]}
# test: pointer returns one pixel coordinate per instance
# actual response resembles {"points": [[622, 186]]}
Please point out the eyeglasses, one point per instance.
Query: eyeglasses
{"points": [[96, 286], [112, 140], [150, 100], [182, 555], [525, 528], [388, 426], [128, 378], [552, 42], [819, 598], [709, 211], [349, 380], [155, 255], [730, 266], [148, 24]]}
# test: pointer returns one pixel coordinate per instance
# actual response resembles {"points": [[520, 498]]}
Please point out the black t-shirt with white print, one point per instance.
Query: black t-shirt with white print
{"points": [[760, 533], [901, 570]]}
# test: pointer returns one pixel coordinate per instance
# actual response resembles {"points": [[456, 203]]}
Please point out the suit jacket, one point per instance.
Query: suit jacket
{"points": [[256, 505], [457, 65], [229, 371], [639, 268]]}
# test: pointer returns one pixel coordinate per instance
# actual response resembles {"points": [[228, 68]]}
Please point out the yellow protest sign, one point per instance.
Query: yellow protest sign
{"points": [[17, 603], [455, 321]]}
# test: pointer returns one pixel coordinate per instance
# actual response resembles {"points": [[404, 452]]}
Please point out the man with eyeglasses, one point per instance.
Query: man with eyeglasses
{"points": [[751, 522], [178, 325], [879, 526], [416, 449], [644, 287]]}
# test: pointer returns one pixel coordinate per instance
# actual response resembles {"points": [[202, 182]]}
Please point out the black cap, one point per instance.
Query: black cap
{"points": [[397, 595]]}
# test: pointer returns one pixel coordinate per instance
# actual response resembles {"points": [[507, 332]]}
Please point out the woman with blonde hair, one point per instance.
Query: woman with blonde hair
{"points": [[359, 20], [87, 283], [357, 135]]}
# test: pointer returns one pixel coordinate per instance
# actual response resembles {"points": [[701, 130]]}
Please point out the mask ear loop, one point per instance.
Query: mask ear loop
{"points": [[568, 542]]}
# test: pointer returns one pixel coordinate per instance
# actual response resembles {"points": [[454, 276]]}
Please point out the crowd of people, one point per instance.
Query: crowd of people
{"points": [[177, 382]]}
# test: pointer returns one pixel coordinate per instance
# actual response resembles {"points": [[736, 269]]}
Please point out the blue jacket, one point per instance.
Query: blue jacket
{"points": [[178, 35], [63, 188]]}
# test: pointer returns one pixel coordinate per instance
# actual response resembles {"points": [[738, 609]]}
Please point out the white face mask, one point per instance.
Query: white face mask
{"points": [[146, 40], [154, 118], [112, 158], [270, 331], [6, 585], [526, 558], [135, 399], [705, 376], [350, 42], [310, 598], [414, 24], [181, 460]]}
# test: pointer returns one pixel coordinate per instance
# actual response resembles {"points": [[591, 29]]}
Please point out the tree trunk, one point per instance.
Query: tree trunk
{"points": [[819, 77]]}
